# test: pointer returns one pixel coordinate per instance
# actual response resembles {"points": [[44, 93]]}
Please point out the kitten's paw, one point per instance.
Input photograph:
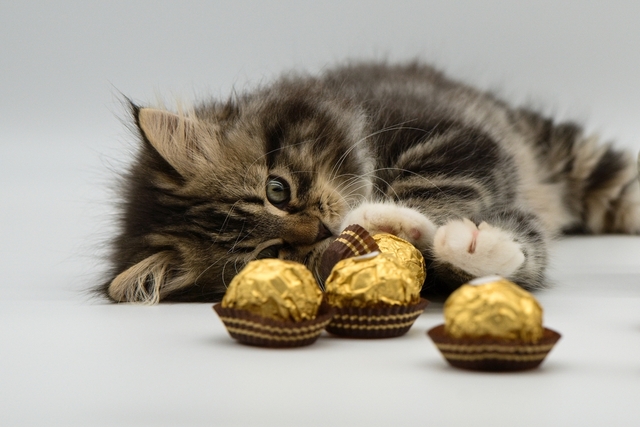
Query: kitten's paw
{"points": [[405, 223], [480, 251]]}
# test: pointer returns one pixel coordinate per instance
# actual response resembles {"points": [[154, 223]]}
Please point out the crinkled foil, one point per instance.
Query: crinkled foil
{"points": [[282, 290], [368, 280], [405, 251], [498, 308]]}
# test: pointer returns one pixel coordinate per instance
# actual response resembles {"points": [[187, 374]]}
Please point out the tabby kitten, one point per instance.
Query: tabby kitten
{"points": [[479, 187]]}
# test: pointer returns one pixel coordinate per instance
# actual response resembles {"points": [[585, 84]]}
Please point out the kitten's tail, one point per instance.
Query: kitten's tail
{"points": [[602, 186], [604, 179], [602, 191]]}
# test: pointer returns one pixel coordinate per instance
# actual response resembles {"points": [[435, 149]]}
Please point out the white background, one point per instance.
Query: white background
{"points": [[67, 359]]}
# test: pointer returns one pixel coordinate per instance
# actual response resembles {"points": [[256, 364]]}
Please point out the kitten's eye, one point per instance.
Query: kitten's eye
{"points": [[269, 252], [278, 192]]}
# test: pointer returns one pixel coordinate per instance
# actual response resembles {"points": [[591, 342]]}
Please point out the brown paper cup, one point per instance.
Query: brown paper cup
{"points": [[252, 329], [493, 354], [353, 241], [376, 322]]}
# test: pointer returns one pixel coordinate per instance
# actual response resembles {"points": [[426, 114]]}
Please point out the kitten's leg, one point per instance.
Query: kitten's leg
{"points": [[511, 244], [391, 218]]}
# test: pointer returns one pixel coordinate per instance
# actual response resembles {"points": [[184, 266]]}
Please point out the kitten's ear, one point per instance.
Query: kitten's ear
{"points": [[146, 282], [175, 137]]}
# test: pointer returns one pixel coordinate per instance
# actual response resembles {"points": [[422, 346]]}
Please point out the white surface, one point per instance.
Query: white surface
{"points": [[67, 360], [70, 363]]}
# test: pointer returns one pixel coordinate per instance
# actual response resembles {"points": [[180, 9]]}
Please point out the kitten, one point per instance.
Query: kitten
{"points": [[479, 187]]}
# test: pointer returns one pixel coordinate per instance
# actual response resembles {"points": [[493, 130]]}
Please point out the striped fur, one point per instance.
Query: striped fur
{"points": [[402, 142]]}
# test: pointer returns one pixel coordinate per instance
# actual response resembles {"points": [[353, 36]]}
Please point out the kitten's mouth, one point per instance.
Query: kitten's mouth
{"points": [[323, 232]]}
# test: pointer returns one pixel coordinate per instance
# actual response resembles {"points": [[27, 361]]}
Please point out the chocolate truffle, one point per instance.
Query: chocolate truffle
{"points": [[491, 324], [374, 296], [274, 303], [410, 256], [281, 290], [371, 279], [493, 307]]}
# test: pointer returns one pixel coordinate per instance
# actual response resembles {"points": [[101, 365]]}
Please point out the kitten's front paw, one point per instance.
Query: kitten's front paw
{"points": [[480, 251], [405, 223]]}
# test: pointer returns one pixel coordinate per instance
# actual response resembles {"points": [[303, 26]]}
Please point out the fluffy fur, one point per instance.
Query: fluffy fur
{"points": [[479, 187]]}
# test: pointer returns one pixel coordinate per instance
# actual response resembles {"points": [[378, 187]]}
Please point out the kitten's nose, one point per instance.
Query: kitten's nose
{"points": [[302, 230], [323, 232]]}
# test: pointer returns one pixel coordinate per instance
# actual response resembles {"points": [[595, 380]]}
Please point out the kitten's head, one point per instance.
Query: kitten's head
{"points": [[267, 175]]}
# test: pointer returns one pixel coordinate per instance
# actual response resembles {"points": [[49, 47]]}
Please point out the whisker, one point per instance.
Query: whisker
{"points": [[238, 237], [195, 282], [224, 283], [235, 265], [397, 126]]}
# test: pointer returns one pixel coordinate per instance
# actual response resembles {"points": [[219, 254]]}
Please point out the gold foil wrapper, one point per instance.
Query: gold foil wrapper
{"points": [[405, 251], [495, 307], [369, 280], [281, 290]]}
